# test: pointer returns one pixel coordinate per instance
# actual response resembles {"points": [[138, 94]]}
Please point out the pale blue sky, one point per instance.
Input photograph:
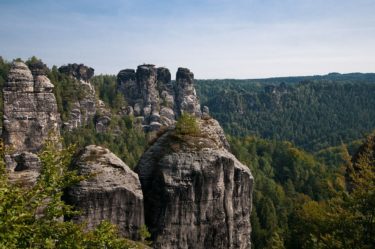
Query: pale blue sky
{"points": [[214, 38]]}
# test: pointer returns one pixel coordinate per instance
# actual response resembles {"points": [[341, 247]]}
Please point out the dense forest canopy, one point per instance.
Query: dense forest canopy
{"points": [[313, 112], [296, 134]]}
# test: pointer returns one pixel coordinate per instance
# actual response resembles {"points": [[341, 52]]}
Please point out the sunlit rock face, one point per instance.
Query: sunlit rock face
{"points": [[112, 193], [152, 96], [87, 108], [30, 117], [197, 194]]}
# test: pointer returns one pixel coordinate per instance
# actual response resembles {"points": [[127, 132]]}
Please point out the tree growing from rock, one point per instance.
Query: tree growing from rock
{"points": [[32, 217]]}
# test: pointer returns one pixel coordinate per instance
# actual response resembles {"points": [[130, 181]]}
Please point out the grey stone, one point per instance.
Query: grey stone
{"points": [[149, 90], [86, 108], [137, 109], [113, 192], [186, 96], [29, 115], [102, 123], [78, 71], [155, 126], [27, 161], [197, 194]]}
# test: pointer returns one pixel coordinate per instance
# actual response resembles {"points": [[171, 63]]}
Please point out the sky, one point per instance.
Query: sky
{"points": [[214, 38]]}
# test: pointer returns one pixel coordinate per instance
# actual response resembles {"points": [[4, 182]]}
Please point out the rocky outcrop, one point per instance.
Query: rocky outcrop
{"points": [[113, 192], [197, 194], [186, 96], [30, 116], [152, 96], [87, 108], [78, 71]]}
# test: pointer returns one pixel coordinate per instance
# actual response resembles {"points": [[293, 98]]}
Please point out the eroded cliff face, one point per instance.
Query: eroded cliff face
{"points": [[190, 190], [30, 116], [87, 107], [197, 194], [152, 97], [113, 192]]}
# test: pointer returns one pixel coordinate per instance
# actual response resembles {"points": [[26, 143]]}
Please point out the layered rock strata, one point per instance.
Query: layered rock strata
{"points": [[113, 192], [87, 108], [30, 116], [197, 194], [152, 97]]}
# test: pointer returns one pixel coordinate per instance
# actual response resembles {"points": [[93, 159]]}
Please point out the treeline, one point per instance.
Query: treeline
{"points": [[303, 201], [315, 113]]}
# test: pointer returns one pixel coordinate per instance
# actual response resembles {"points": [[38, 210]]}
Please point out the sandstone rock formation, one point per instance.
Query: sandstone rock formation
{"points": [[197, 194], [30, 115], [153, 97], [87, 107], [78, 71], [113, 192]]}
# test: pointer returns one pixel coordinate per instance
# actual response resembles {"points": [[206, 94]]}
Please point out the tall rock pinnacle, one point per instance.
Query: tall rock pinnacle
{"points": [[197, 194], [154, 99], [30, 114]]}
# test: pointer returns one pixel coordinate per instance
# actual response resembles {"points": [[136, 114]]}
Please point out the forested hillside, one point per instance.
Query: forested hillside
{"points": [[302, 201], [313, 112], [297, 135]]}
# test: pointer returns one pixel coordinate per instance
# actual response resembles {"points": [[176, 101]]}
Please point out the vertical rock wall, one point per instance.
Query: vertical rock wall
{"points": [[154, 99], [197, 194], [30, 116], [30, 110]]}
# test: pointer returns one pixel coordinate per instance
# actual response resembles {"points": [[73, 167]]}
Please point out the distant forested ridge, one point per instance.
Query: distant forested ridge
{"points": [[314, 112]]}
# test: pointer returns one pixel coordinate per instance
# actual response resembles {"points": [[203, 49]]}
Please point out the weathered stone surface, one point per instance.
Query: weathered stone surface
{"points": [[186, 96], [102, 123], [150, 91], [30, 116], [23, 168], [86, 108], [206, 112], [27, 161], [127, 84], [78, 71], [20, 78], [197, 194], [112, 193], [38, 68]]}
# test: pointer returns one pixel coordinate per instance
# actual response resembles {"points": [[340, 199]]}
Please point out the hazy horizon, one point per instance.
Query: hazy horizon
{"points": [[218, 39]]}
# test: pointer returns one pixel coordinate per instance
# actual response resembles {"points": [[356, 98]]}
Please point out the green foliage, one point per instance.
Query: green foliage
{"points": [[285, 179], [32, 217], [348, 219], [187, 125], [106, 87], [312, 112], [67, 91], [144, 234], [123, 138]]}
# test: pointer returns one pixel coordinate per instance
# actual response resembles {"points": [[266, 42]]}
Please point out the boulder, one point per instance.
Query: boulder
{"points": [[113, 192]]}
